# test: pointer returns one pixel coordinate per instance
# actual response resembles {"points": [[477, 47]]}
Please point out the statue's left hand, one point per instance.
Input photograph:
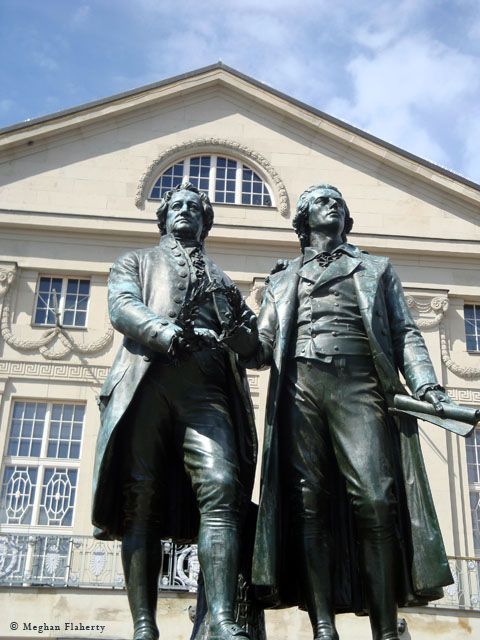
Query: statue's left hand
{"points": [[436, 397], [242, 340], [207, 337]]}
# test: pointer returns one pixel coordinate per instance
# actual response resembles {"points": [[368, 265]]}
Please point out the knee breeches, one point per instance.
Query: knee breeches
{"points": [[179, 422], [334, 414]]}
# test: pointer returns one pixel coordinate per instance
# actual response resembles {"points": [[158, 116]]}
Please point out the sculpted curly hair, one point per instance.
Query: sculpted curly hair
{"points": [[207, 208], [300, 221]]}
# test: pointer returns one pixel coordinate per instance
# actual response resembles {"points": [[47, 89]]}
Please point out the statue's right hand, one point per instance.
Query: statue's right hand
{"points": [[180, 345]]}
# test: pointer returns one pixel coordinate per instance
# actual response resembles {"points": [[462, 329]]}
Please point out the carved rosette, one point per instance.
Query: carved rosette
{"points": [[7, 276], [54, 343], [214, 145]]}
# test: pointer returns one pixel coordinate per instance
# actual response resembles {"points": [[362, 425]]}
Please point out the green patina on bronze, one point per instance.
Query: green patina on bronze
{"points": [[176, 449], [346, 518]]}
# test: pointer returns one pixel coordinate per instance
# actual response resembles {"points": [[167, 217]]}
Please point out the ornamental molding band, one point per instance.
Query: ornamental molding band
{"points": [[52, 371], [214, 145], [55, 335], [464, 396], [438, 307]]}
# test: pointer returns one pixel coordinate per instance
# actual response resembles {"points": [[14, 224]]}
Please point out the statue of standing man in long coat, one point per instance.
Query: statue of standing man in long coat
{"points": [[346, 519], [176, 449]]}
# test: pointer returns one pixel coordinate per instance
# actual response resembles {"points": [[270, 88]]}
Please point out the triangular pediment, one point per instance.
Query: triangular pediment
{"points": [[218, 77]]}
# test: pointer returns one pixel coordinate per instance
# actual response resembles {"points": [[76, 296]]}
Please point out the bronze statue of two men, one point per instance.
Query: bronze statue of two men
{"points": [[346, 520]]}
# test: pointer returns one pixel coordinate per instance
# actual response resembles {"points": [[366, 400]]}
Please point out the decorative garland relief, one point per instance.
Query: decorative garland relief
{"points": [[211, 144], [439, 307], [54, 343]]}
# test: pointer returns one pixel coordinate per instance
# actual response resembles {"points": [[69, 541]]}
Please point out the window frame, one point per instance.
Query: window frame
{"points": [[212, 178], [62, 300], [473, 484], [41, 464], [476, 321]]}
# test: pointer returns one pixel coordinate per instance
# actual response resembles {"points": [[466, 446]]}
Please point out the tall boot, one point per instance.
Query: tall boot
{"points": [[380, 571], [141, 558], [218, 553], [315, 573]]}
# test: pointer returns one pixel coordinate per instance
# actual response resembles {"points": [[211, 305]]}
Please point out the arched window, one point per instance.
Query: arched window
{"points": [[226, 180]]}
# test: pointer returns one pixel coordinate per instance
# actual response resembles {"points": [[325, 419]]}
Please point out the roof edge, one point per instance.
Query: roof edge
{"points": [[261, 85]]}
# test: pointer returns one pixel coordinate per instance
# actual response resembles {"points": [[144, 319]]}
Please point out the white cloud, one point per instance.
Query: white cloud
{"points": [[387, 22], [401, 93], [471, 152]]}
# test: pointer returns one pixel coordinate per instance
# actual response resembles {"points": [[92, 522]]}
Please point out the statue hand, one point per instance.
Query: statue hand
{"points": [[181, 344], [436, 397], [243, 340], [206, 337]]}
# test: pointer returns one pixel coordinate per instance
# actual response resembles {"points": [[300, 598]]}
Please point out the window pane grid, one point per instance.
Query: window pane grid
{"points": [[254, 190], [65, 431], [475, 510], [76, 301], [41, 493], [199, 172], [48, 298], [472, 444], [68, 296], [226, 180], [26, 432], [169, 179], [472, 326]]}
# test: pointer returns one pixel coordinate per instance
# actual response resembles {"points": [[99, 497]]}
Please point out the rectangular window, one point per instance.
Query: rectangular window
{"points": [[40, 473], [62, 298], [471, 314], [472, 444]]}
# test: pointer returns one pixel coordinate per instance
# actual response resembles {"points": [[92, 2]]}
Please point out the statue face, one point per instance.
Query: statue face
{"points": [[326, 212], [185, 216]]}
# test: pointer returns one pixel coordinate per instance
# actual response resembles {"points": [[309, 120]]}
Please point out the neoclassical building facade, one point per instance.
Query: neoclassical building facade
{"points": [[80, 187]]}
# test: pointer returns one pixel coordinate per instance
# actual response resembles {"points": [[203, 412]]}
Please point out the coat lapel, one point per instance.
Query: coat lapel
{"points": [[336, 270]]}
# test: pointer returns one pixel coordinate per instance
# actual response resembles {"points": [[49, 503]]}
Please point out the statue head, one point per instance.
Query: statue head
{"points": [[301, 222], [197, 212]]}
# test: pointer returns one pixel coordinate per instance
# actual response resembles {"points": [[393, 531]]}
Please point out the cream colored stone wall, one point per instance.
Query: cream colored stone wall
{"points": [[68, 208]]}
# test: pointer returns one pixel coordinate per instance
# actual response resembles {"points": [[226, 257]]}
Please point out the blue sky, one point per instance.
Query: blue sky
{"points": [[407, 71]]}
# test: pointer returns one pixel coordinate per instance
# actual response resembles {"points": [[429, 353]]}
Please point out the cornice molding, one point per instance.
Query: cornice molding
{"points": [[214, 145]]}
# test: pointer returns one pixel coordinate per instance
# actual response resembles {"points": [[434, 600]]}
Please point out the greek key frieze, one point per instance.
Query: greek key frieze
{"points": [[53, 371]]}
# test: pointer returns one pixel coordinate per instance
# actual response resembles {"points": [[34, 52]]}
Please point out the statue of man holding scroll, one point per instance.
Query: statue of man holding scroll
{"points": [[346, 519]]}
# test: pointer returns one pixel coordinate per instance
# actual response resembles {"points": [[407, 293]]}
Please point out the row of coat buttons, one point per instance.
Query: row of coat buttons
{"points": [[318, 350], [181, 263], [332, 291]]}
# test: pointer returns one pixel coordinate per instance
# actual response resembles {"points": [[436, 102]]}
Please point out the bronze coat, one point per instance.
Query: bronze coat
{"points": [[396, 345], [147, 289]]}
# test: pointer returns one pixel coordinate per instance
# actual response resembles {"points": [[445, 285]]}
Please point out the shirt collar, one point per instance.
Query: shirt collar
{"points": [[311, 253]]}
